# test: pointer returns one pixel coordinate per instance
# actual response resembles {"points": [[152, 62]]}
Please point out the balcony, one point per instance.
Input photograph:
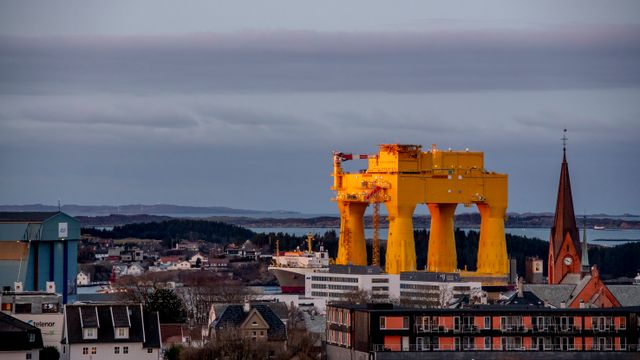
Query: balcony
{"points": [[515, 328], [514, 347]]}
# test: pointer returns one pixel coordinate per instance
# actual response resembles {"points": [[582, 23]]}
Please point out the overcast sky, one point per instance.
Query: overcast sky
{"points": [[241, 103]]}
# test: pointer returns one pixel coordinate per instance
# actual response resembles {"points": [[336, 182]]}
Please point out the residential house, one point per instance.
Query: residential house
{"points": [[181, 265], [82, 279], [18, 340], [203, 260], [188, 245], [170, 260], [111, 331], [135, 269], [254, 322], [218, 264], [119, 270]]}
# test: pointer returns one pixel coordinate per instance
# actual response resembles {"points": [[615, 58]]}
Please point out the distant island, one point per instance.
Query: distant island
{"points": [[142, 209], [110, 215]]}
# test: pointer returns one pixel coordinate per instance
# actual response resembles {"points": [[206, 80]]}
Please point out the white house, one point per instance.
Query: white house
{"points": [[181, 265], [111, 331], [82, 278], [135, 270], [194, 259], [120, 270]]}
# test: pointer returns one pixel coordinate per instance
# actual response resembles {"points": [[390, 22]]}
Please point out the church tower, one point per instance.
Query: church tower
{"points": [[565, 253]]}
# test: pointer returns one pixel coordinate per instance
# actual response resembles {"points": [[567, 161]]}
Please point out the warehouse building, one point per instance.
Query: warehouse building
{"points": [[38, 252]]}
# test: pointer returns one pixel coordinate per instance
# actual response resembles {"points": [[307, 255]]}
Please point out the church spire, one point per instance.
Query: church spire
{"points": [[565, 238]]}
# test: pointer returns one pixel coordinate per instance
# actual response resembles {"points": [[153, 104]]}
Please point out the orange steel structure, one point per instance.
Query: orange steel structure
{"points": [[403, 176]]}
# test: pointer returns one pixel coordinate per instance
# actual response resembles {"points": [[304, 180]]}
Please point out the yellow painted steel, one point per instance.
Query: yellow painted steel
{"points": [[407, 176]]}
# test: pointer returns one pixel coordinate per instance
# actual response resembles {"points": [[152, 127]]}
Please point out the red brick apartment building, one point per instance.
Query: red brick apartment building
{"points": [[382, 331]]}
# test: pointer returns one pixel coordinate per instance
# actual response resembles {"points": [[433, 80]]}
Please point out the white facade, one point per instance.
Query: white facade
{"points": [[20, 355], [194, 259], [182, 265], [334, 286], [109, 351], [135, 270], [432, 290], [82, 278]]}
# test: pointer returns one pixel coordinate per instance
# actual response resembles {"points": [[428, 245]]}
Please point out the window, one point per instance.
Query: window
{"points": [[261, 333], [32, 337], [122, 333], [94, 350], [623, 323], [487, 322], [405, 322], [383, 322], [623, 343], [125, 349], [467, 343], [436, 343], [89, 333], [487, 343], [28, 356], [50, 308], [85, 350], [7, 307], [23, 308], [149, 351], [116, 350]]}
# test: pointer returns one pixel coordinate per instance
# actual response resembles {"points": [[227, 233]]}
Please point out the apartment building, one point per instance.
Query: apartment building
{"points": [[480, 332], [425, 289]]}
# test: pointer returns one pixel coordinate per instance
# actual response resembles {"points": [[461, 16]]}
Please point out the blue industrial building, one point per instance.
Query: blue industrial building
{"points": [[39, 247]]}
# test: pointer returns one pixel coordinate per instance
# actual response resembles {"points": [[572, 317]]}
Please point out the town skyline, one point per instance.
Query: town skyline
{"points": [[224, 105]]}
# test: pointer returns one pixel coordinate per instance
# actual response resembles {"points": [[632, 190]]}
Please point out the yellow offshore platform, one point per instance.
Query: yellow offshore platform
{"points": [[403, 176]]}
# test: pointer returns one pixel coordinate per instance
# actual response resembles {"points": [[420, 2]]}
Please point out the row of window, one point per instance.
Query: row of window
{"points": [[540, 323], [379, 288], [92, 333], [27, 308], [334, 279], [337, 316], [116, 350], [125, 350], [516, 343], [339, 337], [379, 280], [335, 287], [420, 287]]}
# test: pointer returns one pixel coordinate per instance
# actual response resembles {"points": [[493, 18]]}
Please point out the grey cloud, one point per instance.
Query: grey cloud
{"points": [[557, 58]]}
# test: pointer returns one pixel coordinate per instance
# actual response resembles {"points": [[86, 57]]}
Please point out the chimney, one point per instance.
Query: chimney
{"points": [[520, 287], [246, 307], [563, 304], [582, 304], [51, 287], [17, 286]]}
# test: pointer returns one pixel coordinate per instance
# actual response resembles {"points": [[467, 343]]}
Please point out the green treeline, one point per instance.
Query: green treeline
{"points": [[617, 261], [621, 260], [171, 230]]}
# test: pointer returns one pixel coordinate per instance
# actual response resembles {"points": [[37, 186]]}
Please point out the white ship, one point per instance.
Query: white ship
{"points": [[291, 267]]}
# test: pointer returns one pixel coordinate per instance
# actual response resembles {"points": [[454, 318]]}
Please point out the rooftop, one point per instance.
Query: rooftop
{"points": [[24, 216]]}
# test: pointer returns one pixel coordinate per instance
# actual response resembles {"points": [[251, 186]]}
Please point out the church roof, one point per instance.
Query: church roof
{"points": [[565, 220], [627, 295]]}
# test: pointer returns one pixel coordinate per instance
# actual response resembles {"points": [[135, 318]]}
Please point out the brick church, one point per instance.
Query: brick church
{"points": [[572, 282]]}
